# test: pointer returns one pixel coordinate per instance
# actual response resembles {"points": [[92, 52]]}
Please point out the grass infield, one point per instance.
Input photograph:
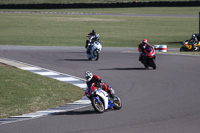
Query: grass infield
{"points": [[24, 92], [115, 31]]}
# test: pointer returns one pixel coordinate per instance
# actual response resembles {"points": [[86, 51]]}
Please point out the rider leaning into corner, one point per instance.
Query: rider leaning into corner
{"points": [[93, 36], [90, 79], [194, 42], [141, 48]]}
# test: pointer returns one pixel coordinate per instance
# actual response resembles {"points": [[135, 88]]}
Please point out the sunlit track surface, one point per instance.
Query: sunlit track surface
{"points": [[165, 100], [100, 14]]}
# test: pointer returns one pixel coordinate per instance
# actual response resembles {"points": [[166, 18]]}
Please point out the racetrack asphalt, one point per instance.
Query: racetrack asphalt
{"points": [[162, 100], [100, 14]]}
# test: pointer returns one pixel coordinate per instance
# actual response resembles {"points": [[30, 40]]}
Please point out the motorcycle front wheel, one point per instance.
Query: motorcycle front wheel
{"points": [[98, 105], [182, 49], [153, 64], [145, 64], [89, 57], [96, 53]]}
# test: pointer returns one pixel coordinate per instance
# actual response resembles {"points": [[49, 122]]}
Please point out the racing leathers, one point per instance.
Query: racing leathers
{"points": [[92, 38], [97, 80], [141, 49], [194, 42]]}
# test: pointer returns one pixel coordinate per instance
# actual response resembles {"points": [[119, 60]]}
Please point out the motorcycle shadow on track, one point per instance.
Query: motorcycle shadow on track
{"points": [[75, 112], [137, 68], [73, 60]]}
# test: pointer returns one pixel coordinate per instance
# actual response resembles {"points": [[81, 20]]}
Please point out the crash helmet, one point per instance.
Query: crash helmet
{"points": [[144, 41], [98, 83], [88, 76], [94, 31]]}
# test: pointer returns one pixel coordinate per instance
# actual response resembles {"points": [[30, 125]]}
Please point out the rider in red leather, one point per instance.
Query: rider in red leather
{"points": [[90, 79], [141, 48]]}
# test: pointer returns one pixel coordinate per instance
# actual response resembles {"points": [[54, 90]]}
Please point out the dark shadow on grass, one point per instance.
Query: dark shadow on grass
{"points": [[177, 43]]}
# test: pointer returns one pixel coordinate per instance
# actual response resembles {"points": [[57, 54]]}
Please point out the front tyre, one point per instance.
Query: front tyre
{"points": [[117, 103], [182, 49], [96, 55], [98, 105], [153, 64], [89, 57]]}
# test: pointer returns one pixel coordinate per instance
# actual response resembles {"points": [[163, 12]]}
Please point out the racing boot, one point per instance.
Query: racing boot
{"points": [[111, 94]]}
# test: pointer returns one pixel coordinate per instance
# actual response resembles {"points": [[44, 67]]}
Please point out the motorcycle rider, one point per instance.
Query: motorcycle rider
{"points": [[93, 36], [194, 41], [141, 48], [90, 79]]}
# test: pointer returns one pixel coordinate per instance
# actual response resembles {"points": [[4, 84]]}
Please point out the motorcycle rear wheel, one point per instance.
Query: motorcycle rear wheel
{"points": [[117, 103], [98, 106]]}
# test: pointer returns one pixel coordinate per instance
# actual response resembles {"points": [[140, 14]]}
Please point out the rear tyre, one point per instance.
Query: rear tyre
{"points": [[117, 103]]}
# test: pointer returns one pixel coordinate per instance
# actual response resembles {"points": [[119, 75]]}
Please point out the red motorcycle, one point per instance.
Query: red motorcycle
{"points": [[148, 57]]}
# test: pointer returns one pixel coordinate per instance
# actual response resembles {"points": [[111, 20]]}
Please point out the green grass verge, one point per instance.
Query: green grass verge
{"points": [[24, 92], [75, 1], [115, 31]]}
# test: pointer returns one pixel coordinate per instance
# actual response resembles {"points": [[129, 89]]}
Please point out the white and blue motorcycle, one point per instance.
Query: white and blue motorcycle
{"points": [[94, 50], [101, 100]]}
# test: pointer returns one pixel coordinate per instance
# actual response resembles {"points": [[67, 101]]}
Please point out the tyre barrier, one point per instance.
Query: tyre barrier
{"points": [[160, 48], [102, 5], [156, 47]]}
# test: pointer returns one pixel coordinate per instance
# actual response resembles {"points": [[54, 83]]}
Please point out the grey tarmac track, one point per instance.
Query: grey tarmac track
{"points": [[165, 100], [99, 14]]}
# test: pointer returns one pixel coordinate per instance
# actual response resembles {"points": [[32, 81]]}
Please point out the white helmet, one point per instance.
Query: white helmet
{"points": [[88, 76]]}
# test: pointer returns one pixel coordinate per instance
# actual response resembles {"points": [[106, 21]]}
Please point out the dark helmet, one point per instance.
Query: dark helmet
{"points": [[94, 31], [193, 36], [98, 83]]}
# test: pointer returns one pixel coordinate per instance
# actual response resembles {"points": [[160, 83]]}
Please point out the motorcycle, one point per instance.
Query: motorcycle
{"points": [[94, 50], [101, 101], [148, 57], [187, 46]]}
